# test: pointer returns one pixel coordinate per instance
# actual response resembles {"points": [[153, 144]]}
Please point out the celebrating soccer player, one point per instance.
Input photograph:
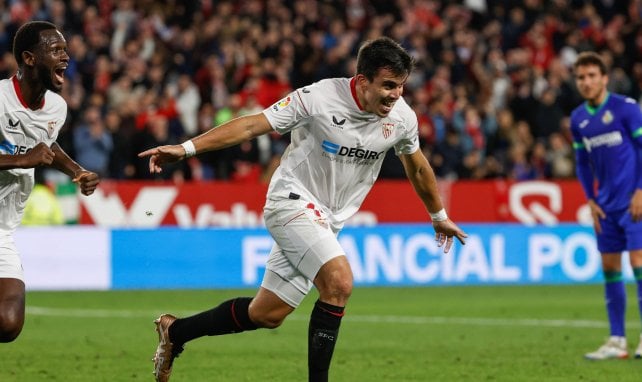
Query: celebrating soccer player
{"points": [[32, 114], [607, 137], [340, 129]]}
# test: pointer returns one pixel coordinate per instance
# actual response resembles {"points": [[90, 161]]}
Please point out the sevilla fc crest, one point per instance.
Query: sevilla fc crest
{"points": [[51, 128], [387, 129]]}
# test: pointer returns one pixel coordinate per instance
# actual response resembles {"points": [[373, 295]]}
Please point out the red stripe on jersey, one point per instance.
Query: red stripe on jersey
{"points": [[16, 87], [302, 104], [353, 89]]}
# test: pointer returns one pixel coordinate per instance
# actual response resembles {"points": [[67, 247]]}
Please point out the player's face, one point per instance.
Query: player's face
{"points": [[591, 83], [51, 59], [379, 95]]}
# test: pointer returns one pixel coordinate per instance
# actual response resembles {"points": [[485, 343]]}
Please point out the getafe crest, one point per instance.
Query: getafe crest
{"points": [[607, 117], [387, 129]]}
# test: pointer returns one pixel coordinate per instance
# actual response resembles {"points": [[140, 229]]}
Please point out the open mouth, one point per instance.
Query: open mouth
{"points": [[387, 105], [59, 74]]}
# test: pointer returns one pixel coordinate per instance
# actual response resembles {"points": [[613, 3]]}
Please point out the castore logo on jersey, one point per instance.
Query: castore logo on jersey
{"points": [[14, 125], [337, 123]]}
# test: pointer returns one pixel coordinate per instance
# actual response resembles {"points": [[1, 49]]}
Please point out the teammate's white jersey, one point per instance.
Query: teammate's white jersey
{"points": [[336, 148], [20, 130]]}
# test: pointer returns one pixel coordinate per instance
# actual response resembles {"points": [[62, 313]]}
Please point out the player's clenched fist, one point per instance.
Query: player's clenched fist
{"points": [[38, 156], [87, 180]]}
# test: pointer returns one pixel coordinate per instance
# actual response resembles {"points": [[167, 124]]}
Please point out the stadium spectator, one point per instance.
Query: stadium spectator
{"points": [[93, 144], [507, 55]]}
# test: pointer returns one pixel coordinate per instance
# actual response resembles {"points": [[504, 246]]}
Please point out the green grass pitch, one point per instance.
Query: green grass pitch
{"points": [[483, 333]]}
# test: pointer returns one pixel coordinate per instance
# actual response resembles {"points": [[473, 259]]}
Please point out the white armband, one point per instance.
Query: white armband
{"points": [[190, 150], [439, 216]]}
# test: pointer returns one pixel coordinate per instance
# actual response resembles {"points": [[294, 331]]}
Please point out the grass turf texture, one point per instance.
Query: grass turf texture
{"points": [[498, 333]]}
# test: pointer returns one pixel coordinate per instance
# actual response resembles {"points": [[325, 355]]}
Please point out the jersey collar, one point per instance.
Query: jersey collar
{"points": [[353, 90], [16, 87], [593, 110]]}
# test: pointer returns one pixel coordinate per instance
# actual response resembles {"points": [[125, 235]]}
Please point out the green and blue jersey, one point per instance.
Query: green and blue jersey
{"points": [[608, 149]]}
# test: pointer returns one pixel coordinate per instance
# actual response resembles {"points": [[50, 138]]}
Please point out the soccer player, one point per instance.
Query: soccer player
{"points": [[340, 131], [31, 115], [607, 137]]}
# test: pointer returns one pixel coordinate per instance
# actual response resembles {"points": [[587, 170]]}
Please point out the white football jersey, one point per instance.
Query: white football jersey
{"points": [[336, 148], [20, 130]]}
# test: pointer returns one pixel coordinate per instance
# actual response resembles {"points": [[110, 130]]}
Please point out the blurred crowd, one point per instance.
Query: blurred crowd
{"points": [[493, 86]]}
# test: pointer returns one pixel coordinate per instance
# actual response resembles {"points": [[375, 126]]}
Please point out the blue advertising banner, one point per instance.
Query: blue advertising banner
{"points": [[382, 255]]}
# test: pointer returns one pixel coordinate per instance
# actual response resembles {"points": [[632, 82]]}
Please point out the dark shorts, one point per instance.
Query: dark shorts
{"points": [[619, 233]]}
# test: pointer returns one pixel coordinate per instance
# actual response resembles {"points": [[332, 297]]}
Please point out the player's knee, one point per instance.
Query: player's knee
{"points": [[342, 288], [10, 326], [269, 320], [337, 291], [334, 282]]}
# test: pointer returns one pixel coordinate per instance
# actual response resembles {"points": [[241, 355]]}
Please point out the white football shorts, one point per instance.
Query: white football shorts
{"points": [[10, 264], [304, 242]]}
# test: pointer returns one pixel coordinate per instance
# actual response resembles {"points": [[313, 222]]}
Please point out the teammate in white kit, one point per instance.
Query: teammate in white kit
{"points": [[31, 115], [340, 130]]}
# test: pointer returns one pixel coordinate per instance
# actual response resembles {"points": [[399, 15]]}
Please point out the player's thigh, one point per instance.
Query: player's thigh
{"points": [[633, 230], [12, 295], [12, 287], [303, 236], [634, 242], [10, 263], [613, 237], [284, 280]]}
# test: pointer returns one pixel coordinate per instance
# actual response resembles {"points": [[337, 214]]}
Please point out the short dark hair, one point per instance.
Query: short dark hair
{"points": [[380, 53], [28, 36], [590, 59]]}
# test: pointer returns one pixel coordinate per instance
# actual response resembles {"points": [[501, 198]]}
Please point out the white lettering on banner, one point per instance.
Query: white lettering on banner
{"points": [[591, 265], [238, 217], [109, 210], [417, 258], [415, 245], [584, 216], [548, 250], [472, 261], [349, 245], [255, 252], [393, 258], [498, 261], [377, 257], [535, 211]]}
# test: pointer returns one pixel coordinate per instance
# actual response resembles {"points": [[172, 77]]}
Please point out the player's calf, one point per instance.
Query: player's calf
{"points": [[323, 333], [11, 322]]}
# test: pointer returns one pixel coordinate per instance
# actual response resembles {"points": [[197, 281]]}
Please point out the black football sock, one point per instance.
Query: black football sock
{"points": [[231, 316], [322, 336]]}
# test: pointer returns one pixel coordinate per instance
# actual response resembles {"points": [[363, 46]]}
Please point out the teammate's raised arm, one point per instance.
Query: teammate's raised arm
{"points": [[225, 135]]}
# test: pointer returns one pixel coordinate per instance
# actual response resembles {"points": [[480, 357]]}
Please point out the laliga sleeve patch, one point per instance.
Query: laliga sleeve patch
{"points": [[282, 104]]}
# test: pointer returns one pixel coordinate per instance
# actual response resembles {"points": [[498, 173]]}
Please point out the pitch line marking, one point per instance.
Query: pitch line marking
{"points": [[373, 319]]}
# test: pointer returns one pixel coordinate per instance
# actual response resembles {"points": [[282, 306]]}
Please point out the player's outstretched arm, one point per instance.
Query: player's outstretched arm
{"points": [[423, 180], [228, 134]]}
